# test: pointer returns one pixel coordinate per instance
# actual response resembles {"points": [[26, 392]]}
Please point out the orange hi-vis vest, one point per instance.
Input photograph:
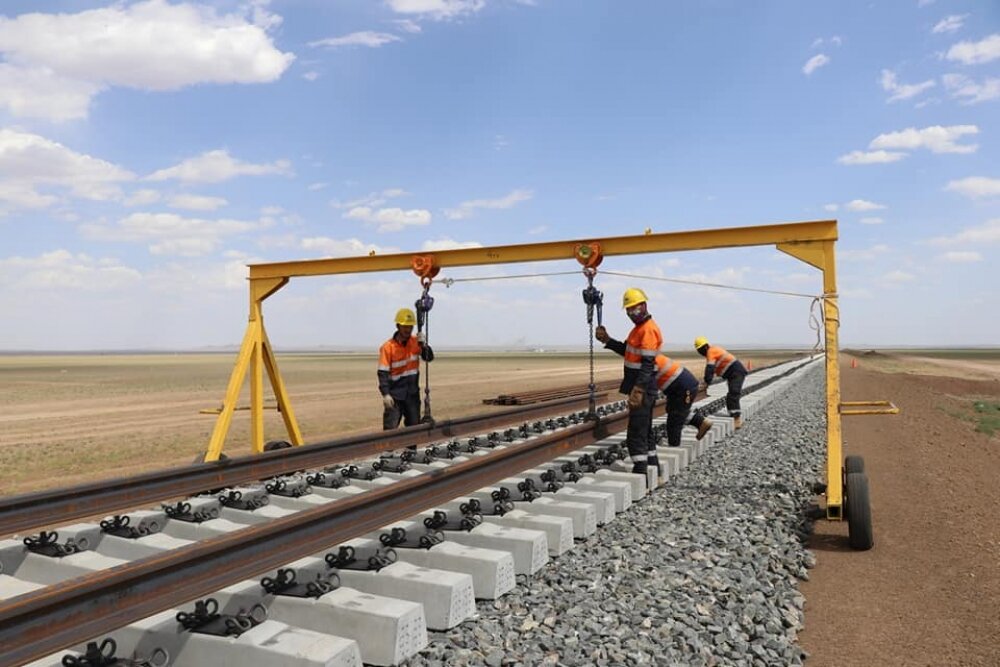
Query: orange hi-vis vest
{"points": [[667, 370], [400, 361], [719, 358], [643, 341]]}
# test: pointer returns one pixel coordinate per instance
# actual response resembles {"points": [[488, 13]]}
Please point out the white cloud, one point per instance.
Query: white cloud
{"points": [[313, 187], [390, 219], [406, 25], [936, 139], [872, 220], [870, 157], [169, 233], [988, 232], [63, 60], [62, 270], [372, 199], [329, 247], [29, 162], [962, 256], [976, 53], [863, 205], [924, 3], [820, 41], [975, 186], [541, 229], [949, 23], [864, 254], [37, 92], [468, 208], [196, 202], [142, 198], [448, 244], [814, 63], [436, 9], [217, 166], [311, 75], [902, 91], [364, 38], [831, 207], [898, 276], [968, 91]]}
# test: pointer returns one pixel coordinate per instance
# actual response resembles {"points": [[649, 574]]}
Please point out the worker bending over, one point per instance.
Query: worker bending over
{"points": [[399, 372], [721, 363], [679, 386], [639, 381]]}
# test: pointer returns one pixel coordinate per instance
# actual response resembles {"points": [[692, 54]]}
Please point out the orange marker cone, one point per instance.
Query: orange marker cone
{"points": [[854, 363], [749, 365]]}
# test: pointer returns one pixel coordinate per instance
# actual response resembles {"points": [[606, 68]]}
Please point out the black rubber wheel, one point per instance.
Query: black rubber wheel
{"points": [[854, 464], [858, 510]]}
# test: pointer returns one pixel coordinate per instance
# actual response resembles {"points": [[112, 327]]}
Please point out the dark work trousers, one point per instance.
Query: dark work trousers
{"points": [[639, 436], [407, 409], [680, 394], [734, 377]]}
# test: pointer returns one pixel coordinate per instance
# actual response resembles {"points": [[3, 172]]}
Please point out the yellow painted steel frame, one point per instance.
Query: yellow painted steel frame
{"points": [[812, 242]]}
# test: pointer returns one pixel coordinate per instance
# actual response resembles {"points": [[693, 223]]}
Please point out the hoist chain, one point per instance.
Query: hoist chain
{"points": [[594, 300], [423, 307]]}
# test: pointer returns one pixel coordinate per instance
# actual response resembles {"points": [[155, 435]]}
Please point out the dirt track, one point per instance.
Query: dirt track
{"points": [[929, 591]]}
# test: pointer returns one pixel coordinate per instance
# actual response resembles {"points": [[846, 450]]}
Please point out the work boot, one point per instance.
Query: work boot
{"points": [[737, 422], [703, 428]]}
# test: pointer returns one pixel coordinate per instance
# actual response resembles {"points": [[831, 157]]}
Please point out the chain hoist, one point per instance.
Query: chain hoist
{"points": [[590, 256], [423, 307]]}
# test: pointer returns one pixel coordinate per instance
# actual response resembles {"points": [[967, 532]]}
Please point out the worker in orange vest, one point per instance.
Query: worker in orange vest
{"points": [[399, 372], [639, 381], [679, 386], [719, 362]]}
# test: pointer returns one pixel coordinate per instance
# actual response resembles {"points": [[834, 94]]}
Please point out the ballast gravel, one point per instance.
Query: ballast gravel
{"points": [[702, 572]]}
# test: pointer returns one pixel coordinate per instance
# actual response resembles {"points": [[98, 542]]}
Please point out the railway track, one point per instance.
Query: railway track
{"points": [[358, 560]]}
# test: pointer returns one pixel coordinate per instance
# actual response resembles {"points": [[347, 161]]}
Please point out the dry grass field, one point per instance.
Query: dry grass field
{"points": [[74, 418]]}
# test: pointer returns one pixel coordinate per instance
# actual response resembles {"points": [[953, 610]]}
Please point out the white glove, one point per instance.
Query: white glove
{"points": [[388, 402], [421, 338]]}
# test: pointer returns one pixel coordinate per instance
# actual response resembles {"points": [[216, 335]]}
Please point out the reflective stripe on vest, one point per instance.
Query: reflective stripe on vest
{"points": [[667, 370], [721, 358]]}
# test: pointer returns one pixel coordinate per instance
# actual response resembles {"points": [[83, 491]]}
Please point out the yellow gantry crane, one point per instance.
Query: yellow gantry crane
{"points": [[811, 242]]}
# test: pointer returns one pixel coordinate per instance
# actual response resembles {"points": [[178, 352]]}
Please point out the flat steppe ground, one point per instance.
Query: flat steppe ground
{"points": [[72, 418], [928, 593]]}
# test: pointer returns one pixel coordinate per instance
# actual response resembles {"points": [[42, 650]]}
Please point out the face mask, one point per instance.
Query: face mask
{"points": [[637, 313]]}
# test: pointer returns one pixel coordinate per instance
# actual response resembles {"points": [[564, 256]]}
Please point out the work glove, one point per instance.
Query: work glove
{"points": [[421, 338], [635, 398], [601, 334], [388, 402]]}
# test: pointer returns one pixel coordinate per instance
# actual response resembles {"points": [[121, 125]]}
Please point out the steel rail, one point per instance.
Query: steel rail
{"points": [[59, 506], [40, 623]]}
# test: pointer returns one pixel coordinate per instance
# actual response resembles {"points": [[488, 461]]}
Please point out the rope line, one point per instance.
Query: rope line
{"points": [[448, 282]]}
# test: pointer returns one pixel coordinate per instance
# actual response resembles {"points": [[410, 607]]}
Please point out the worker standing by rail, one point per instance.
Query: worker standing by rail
{"points": [[721, 363], [399, 372], [639, 381]]}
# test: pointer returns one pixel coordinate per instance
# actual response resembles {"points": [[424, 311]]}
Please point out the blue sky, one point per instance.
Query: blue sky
{"points": [[149, 150]]}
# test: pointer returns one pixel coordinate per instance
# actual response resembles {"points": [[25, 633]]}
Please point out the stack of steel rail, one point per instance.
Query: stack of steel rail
{"points": [[39, 620], [556, 393]]}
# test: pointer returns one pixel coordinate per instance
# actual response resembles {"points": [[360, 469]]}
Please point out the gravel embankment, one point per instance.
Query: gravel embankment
{"points": [[703, 572]]}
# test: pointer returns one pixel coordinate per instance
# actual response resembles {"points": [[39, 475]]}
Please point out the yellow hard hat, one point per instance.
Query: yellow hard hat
{"points": [[633, 296], [406, 317], [699, 341]]}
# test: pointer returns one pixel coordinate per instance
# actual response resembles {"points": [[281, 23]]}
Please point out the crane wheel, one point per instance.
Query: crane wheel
{"points": [[859, 513]]}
